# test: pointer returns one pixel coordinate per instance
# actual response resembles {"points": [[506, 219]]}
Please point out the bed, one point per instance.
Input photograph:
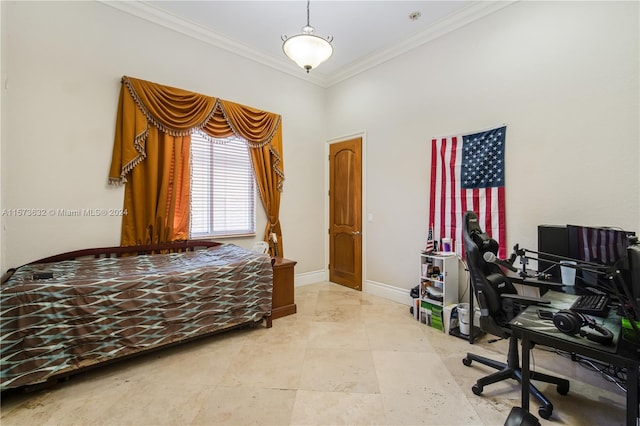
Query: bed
{"points": [[81, 309]]}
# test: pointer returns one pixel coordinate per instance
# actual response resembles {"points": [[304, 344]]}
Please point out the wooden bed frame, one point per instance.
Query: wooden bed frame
{"points": [[119, 251]]}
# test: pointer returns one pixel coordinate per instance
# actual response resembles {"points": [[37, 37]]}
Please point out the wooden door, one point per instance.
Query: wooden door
{"points": [[345, 213]]}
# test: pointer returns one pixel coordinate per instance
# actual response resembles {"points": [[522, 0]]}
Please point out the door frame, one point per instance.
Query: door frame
{"points": [[364, 210]]}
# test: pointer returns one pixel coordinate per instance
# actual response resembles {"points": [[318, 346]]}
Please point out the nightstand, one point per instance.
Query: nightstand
{"points": [[283, 289]]}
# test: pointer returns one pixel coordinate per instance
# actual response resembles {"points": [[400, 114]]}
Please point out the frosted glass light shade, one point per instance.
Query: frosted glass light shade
{"points": [[307, 50]]}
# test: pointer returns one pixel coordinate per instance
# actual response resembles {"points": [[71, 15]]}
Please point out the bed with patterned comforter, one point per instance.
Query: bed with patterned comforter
{"points": [[60, 317]]}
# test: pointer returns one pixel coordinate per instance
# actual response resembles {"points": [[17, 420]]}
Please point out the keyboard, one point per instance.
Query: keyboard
{"points": [[592, 304]]}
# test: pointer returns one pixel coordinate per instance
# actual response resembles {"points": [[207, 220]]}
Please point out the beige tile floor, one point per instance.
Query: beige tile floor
{"points": [[346, 357]]}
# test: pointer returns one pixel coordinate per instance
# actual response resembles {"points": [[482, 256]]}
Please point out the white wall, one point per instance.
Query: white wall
{"points": [[563, 76], [64, 61]]}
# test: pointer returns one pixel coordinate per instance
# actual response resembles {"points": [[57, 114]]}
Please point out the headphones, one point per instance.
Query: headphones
{"points": [[571, 323]]}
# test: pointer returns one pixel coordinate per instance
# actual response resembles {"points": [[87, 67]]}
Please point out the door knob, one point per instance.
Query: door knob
{"points": [[356, 233]]}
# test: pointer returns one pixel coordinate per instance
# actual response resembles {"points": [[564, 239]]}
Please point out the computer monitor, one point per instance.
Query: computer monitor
{"points": [[553, 244], [599, 246]]}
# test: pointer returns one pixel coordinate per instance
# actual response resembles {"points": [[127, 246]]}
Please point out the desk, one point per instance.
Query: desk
{"points": [[530, 329]]}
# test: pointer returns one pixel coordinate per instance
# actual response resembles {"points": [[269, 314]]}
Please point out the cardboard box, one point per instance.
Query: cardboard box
{"points": [[416, 309]]}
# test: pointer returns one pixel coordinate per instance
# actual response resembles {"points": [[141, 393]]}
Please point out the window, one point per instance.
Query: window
{"points": [[222, 187]]}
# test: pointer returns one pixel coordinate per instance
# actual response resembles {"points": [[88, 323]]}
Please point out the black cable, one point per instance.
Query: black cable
{"points": [[466, 268]]}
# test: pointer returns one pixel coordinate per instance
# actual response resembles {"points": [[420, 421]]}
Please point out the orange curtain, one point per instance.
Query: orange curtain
{"points": [[157, 193], [151, 156]]}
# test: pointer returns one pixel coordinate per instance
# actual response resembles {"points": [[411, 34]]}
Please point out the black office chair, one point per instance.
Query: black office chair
{"points": [[499, 303]]}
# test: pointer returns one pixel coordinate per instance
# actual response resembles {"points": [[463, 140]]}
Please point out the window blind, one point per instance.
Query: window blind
{"points": [[222, 187]]}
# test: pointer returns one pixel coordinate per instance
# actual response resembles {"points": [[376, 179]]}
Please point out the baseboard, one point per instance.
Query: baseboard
{"points": [[386, 291], [307, 278]]}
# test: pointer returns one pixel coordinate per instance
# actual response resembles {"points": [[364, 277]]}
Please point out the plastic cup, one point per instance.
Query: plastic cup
{"points": [[568, 273]]}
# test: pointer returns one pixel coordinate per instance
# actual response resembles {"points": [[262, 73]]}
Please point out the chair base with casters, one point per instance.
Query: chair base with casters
{"points": [[512, 370]]}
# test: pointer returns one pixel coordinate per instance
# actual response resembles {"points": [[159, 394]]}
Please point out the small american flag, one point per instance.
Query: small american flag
{"points": [[467, 173], [429, 248]]}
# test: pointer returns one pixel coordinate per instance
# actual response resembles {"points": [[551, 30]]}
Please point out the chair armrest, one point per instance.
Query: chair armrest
{"points": [[526, 300]]}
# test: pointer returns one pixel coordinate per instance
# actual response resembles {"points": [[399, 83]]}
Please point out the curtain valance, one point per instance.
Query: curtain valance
{"points": [[179, 112]]}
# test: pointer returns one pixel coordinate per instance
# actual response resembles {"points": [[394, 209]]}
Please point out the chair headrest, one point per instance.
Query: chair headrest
{"points": [[484, 242]]}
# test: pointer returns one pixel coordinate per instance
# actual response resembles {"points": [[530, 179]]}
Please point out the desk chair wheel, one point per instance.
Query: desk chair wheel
{"points": [[545, 411], [563, 389], [477, 389]]}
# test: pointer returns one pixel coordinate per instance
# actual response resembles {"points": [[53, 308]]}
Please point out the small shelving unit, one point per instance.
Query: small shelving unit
{"points": [[438, 271]]}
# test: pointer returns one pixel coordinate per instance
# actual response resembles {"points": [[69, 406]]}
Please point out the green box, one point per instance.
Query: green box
{"points": [[436, 315]]}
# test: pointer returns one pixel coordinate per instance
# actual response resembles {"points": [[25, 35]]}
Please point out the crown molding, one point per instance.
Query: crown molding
{"points": [[150, 13]]}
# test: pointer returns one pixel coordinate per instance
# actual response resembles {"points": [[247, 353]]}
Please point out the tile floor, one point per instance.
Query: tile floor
{"points": [[346, 357]]}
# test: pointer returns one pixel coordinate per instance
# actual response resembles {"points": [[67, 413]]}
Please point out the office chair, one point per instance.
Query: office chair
{"points": [[499, 303]]}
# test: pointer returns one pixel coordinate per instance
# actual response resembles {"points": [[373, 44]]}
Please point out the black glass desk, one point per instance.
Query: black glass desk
{"points": [[530, 329]]}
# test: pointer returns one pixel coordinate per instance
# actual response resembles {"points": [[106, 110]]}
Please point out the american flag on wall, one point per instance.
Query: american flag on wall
{"points": [[467, 173]]}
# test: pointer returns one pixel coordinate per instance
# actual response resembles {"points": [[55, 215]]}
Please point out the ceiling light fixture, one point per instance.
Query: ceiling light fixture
{"points": [[307, 49]]}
